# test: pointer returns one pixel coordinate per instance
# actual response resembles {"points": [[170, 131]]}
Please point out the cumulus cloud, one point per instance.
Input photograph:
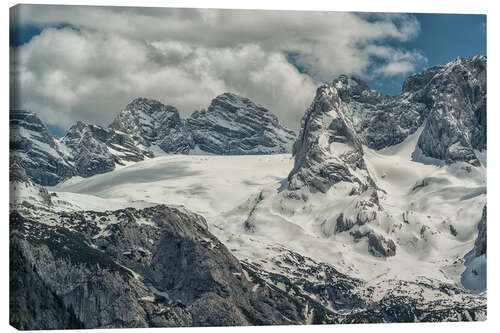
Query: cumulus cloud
{"points": [[105, 56]]}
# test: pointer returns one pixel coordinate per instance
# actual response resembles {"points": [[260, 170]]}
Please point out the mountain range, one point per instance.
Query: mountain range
{"points": [[145, 128], [374, 212]]}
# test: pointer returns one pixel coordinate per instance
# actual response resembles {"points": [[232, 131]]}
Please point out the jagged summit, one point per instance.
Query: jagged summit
{"points": [[451, 97], [234, 125], [328, 149], [41, 155], [147, 120]]}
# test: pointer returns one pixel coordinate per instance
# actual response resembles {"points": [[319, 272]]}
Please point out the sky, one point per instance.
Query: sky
{"points": [[71, 63]]}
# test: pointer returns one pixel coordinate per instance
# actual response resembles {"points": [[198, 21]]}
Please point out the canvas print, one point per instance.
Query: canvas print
{"points": [[214, 167]]}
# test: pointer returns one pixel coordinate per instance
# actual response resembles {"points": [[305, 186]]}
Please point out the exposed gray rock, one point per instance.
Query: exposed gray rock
{"points": [[19, 180], [456, 95], [159, 266], [150, 122], [90, 156], [380, 120], [448, 100], [95, 149], [37, 151], [474, 277], [480, 244], [234, 125], [328, 149]]}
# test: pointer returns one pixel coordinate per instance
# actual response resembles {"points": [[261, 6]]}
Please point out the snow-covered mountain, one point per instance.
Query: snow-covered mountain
{"points": [[379, 215], [450, 99], [232, 125], [43, 157], [152, 123], [95, 149]]}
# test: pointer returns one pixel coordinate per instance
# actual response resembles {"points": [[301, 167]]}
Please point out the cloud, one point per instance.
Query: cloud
{"points": [[397, 62], [105, 56]]}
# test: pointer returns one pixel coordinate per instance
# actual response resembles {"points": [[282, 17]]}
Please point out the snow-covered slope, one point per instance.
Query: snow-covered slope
{"points": [[431, 211]]}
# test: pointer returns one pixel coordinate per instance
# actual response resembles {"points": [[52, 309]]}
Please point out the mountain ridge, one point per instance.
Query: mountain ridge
{"points": [[88, 149]]}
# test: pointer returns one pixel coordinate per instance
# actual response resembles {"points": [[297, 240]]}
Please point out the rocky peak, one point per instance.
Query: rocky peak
{"points": [[147, 120], [90, 155], [349, 87], [38, 153], [233, 103], [451, 97], [456, 95], [432, 75], [234, 125], [328, 149]]}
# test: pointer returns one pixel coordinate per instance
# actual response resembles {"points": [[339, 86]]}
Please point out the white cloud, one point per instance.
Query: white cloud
{"points": [[185, 57]]}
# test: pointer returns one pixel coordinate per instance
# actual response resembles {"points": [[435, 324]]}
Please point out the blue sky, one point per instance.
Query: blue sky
{"points": [[86, 63], [443, 37]]}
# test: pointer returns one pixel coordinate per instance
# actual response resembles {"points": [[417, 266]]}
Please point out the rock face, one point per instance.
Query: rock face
{"points": [[447, 101], [474, 276], [380, 120], [234, 125], [42, 156], [84, 151], [133, 268], [456, 125], [95, 149], [450, 99], [152, 123], [329, 153], [480, 244], [328, 149]]}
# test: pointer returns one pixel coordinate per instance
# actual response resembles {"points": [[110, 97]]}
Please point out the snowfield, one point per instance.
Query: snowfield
{"points": [[432, 210]]}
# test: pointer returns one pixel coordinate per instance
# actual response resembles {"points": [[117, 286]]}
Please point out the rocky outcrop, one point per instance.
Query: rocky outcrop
{"points": [[159, 266], [95, 149], [448, 100], [42, 156], [380, 120], [329, 152], [475, 274], [150, 122], [84, 151], [234, 125], [480, 244], [328, 149], [456, 95]]}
